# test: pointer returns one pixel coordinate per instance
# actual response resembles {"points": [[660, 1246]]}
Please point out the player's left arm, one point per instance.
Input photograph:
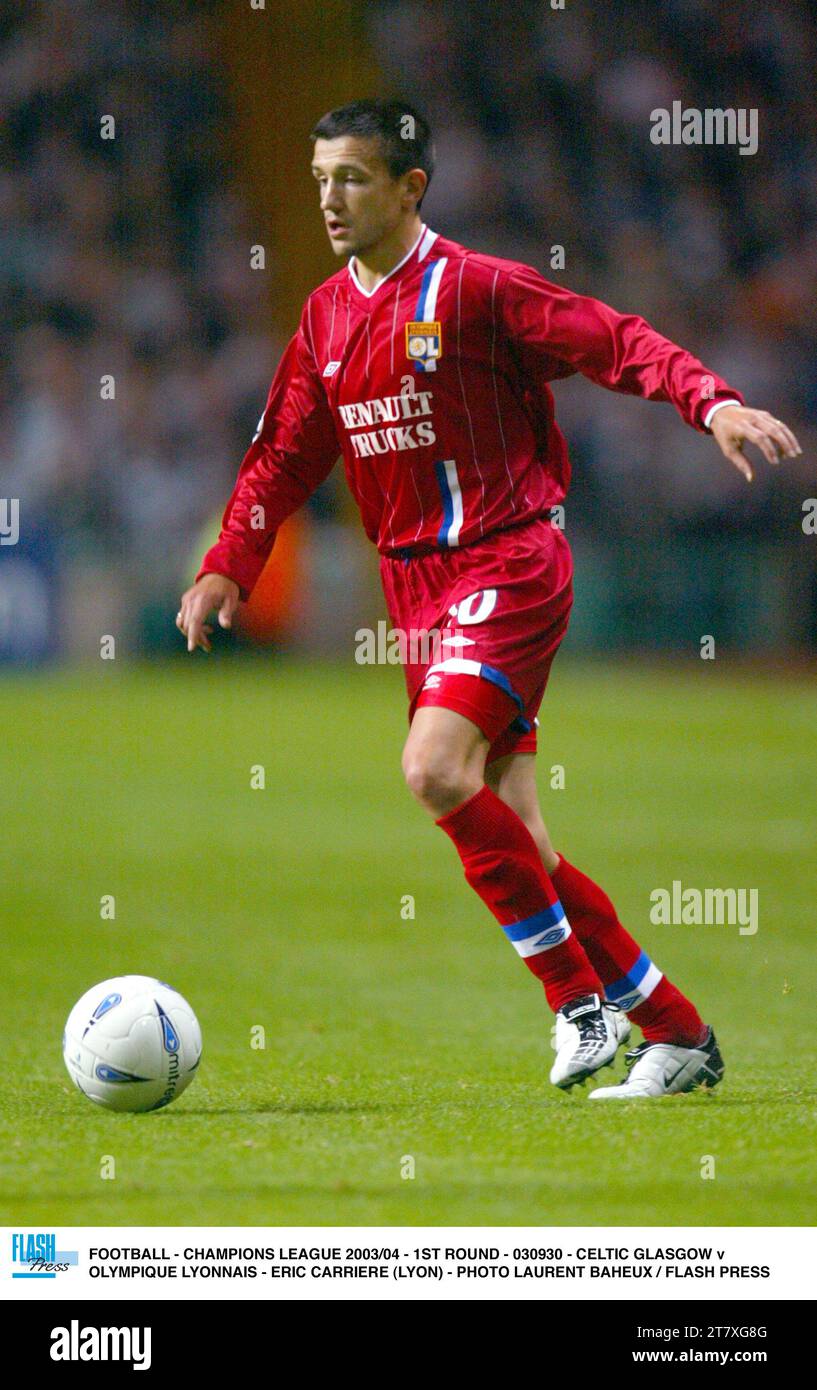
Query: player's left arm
{"points": [[565, 332]]}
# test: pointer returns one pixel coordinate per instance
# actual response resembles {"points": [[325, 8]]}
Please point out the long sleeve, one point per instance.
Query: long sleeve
{"points": [[557, 332], [293, 452]]}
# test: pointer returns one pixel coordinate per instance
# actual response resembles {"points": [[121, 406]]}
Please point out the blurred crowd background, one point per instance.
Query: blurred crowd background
{"points": [[130, 257]]}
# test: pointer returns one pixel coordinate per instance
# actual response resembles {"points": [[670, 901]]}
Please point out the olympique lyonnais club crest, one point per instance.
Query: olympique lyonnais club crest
{"points": [[424, 341]]}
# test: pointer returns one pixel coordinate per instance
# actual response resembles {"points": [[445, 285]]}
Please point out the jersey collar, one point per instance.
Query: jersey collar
{"points": [[421, 247]]}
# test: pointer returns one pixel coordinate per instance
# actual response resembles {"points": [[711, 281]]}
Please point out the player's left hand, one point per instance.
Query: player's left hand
{"points": [[736, 425]]}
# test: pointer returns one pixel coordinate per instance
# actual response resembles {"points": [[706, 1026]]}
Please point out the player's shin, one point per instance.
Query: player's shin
{"points": [[630, 978], [502, 864]]}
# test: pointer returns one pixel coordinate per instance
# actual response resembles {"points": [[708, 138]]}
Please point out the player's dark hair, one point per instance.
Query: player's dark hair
{"points": [[404, 134]]}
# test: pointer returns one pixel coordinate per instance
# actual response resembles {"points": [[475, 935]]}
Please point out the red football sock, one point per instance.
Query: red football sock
{"points": [[503, 865], [630, 979]]}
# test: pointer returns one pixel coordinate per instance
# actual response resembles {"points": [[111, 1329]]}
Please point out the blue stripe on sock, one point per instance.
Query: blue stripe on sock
{"points": [[629, 982], [519, 931]]}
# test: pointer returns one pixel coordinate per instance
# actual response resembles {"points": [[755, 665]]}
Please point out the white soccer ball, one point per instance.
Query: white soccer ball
{"points": [[132, 1043]]}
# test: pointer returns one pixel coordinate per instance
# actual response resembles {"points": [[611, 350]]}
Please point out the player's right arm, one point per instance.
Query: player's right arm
{"points": [[294, 450]]}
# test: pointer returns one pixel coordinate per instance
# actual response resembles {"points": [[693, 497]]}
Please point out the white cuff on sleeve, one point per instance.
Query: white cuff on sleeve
{"points": [[717, 406]]}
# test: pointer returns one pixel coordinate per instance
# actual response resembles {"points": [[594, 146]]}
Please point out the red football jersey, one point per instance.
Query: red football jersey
{"points": [[434, 388]]}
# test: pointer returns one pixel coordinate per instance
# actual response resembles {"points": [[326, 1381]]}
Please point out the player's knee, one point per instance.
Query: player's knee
{"points": [[436, 779]]}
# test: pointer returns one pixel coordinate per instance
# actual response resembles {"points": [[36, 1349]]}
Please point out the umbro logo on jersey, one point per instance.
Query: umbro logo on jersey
{"points": [[424, 341], [331, 368]]}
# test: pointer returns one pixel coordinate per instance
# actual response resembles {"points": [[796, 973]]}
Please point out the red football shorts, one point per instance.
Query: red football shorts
{"points": [[480, 627]]}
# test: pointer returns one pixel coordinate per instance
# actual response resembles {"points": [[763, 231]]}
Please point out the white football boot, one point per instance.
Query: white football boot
{"points": [[664, 1069], [586, 1036]]}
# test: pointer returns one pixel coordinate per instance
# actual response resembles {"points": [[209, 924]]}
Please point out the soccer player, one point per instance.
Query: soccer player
{"points": [[426, 365]]}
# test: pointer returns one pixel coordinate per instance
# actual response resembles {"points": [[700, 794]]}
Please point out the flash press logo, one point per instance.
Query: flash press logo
{"points": [[35, 1256], [75, 1343]]}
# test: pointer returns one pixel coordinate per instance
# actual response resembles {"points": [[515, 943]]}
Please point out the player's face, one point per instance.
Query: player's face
{"points": [[361, 203]]}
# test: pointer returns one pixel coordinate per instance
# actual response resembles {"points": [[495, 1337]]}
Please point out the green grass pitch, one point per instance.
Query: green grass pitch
{"points": [[386, 1037]]}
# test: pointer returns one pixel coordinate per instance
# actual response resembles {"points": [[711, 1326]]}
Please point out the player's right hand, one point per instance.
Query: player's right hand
{"points": [[211, 592]]}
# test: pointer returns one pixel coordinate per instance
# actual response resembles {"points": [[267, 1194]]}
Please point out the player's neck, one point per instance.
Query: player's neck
{"points": [[374, 264]]}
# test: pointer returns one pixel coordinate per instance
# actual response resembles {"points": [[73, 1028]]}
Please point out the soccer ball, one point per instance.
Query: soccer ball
{"points": [[132, 1043]]}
